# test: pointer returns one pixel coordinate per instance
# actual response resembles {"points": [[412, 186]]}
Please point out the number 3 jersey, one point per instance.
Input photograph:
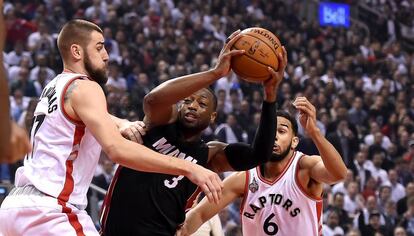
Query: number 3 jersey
{"points": [[279, 207], [151, 204], [64, 154]]}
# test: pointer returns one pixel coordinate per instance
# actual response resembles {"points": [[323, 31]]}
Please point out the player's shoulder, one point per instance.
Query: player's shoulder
{"points": [[86, 86], [308, 161]]}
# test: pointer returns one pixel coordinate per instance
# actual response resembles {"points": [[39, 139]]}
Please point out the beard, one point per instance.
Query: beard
{"points": [[97, 75], [281, 156]]}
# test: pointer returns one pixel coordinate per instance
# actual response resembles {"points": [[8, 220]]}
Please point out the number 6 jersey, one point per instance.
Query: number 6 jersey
{"points": [[64, 154], [280, 207]]}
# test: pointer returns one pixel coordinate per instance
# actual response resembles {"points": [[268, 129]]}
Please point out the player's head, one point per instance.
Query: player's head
{"points": [[197, 111], [81, 42], [286, 136]]}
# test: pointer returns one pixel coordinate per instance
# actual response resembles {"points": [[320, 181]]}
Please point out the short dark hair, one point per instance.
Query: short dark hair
{"points": [[214, 97], [76, 31], [288, 116]]}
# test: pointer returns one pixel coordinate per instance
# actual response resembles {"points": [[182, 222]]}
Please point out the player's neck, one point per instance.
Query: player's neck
{"points": [[272, 170], [190, 136], [74, 68]]}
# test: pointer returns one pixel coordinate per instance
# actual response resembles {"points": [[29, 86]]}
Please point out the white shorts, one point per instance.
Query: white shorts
{"points": [[26, 211]]}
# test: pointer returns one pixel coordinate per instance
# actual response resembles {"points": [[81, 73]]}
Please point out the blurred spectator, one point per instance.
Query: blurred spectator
{"points": [[408, 217], [332, 228], [397, 189], [373, 227], [14, 57], [42, 65], [40, 41], [230, 132], [338, 206], [24, 84], [359, 168], [402, 203]]}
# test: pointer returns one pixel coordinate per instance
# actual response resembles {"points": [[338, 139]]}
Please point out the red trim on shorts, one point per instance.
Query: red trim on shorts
{"points": [[107, 201], [301, 188], [62, 102], [69, 183], [73, 218], [263, 179]]}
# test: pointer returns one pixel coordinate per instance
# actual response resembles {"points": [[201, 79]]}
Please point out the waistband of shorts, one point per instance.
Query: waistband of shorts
{"points": [[32, 190]]}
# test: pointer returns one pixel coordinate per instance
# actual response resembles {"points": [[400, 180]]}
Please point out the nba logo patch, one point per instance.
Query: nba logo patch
{"points": [[253, 186]]}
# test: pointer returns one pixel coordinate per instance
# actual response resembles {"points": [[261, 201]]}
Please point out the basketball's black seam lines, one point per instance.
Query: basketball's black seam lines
{"points": [[270, 46], [255, 61]]}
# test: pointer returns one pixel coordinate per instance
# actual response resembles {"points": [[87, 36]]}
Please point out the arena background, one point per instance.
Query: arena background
{"points": [[354, 62]]}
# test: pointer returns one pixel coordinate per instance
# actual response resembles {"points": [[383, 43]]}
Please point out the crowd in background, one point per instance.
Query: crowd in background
{"points": [[360, 82]]}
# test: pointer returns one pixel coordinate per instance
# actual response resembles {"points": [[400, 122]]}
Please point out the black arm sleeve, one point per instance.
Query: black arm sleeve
{"points": [[242, 156]]}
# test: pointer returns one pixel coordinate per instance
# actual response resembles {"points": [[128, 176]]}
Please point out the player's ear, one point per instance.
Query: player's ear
{"points": [[295, 142], [76, 51], [213, 117]]}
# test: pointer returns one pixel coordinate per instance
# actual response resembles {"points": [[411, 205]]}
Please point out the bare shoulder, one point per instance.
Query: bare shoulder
{"points": [[83, 89], [309, 161]]}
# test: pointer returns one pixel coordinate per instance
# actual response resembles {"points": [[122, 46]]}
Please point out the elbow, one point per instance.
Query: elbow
{"points": [[150, 99], [113, 152], [339, 176]]}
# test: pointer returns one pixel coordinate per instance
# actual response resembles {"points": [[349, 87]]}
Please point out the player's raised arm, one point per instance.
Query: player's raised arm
{"points": [[159, 104], [329, 167], [241, 156]]}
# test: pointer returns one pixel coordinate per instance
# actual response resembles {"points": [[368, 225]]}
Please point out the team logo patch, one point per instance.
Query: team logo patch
{"points": [[253, 186]]}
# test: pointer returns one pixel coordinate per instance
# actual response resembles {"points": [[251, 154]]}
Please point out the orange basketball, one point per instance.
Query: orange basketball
{"points": [[260, 47]]}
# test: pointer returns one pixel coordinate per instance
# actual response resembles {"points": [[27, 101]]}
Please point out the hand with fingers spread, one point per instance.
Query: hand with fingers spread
{"points": [[271, 85], [133, 130], [307, 115], [222, 67], [209, 182]]}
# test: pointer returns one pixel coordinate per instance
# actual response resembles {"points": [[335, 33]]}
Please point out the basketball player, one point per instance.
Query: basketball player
{"points": [[71, 126], [140, 203], [14, 142], [283, 196]]}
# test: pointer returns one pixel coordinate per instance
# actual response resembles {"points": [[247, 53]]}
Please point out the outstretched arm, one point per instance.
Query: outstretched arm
{"points": [[233, 188], [240, 156], [329, 167], [159, 104], [92, 112]]}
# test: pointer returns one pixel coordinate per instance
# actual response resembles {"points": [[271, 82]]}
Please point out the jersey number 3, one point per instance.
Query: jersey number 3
{"points": [[269, 227], [172, 183]]}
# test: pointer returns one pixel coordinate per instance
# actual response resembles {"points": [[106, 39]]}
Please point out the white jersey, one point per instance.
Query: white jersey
{"points": [[280, 207], [65, 154]]}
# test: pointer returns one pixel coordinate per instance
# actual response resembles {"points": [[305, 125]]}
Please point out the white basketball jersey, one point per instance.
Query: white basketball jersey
{"points": [[65, 153], [280, 207]]}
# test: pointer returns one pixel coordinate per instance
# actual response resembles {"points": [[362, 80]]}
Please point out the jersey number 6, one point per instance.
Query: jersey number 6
{"points": [[269, 227]]}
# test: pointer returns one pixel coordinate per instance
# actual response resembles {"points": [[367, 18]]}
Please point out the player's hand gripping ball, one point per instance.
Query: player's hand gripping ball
{"points": [[261, 47]]}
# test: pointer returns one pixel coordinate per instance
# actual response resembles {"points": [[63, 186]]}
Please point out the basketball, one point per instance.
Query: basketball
{"points": [[260, 47]]}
